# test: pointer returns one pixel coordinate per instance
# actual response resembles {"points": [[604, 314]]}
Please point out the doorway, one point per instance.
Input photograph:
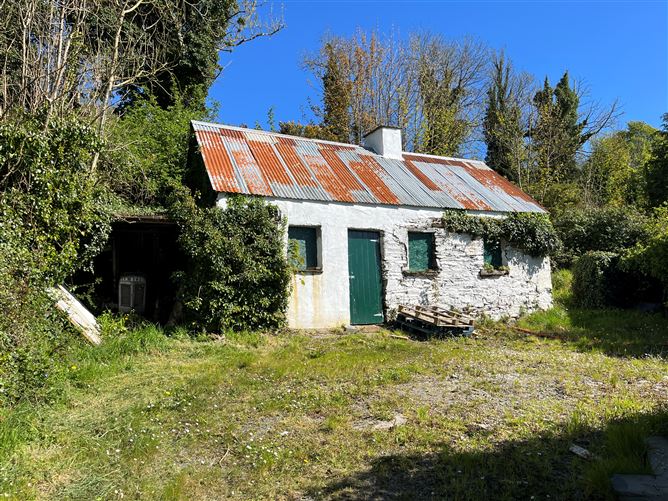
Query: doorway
{"points": [[364, 273]]}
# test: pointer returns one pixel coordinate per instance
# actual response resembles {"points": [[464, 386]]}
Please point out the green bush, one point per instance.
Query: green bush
{"points": [[237, 274], [600, 281], [650, 256], [52, 222], [592, 279], [608, 230], [153, 150]]}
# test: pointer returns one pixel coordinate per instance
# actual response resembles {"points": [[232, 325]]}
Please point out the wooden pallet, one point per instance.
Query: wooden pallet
{"points": [[434, 320]]}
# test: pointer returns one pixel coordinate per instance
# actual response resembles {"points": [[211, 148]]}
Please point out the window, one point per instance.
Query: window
{"points": [[493, 255], [421, 251], [303, 247]]}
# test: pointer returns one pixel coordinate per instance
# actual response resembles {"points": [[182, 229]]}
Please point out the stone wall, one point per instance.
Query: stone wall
{"points": [[321, 299], [458, 283]]}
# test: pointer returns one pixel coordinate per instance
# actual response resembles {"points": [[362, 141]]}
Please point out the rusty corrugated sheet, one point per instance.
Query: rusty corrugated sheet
{"points": [[255, 162]]}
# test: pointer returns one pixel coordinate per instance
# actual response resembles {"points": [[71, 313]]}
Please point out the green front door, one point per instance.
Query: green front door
{"points": [[366, 300]]}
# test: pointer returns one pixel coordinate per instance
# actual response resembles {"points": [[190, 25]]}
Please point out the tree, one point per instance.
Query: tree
{"points": [[614, 174], [503, 126], [567, 103], [426, 85], [559, 128], [336, 98], [90, 57], [193, 41], [310, 131], [657, 168]]}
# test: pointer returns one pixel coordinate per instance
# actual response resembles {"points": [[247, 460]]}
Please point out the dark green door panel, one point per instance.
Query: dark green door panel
{"points": [[366, 290]]}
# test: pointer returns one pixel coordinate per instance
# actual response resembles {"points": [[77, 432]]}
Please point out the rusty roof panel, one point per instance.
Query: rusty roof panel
{"points": [[255, 162], [400, 183], [250, 170], [218, 164]]}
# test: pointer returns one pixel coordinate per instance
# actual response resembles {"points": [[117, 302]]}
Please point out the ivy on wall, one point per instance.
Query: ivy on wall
{"points": [[529, 232], [236, 274]]}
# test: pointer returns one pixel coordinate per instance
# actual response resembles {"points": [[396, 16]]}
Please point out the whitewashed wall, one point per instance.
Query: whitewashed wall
{"points": [[321, 300]]}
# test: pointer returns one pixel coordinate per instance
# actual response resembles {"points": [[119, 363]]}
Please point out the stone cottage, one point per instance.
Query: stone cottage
{"points": [[364, 224]]}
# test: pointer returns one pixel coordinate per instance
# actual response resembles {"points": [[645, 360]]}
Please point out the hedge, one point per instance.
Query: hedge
{"points": [[600, 280]]}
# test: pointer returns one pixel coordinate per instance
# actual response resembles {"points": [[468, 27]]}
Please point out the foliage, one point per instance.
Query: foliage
{"points": [[309, 131], [427, 85], [92, 58], [237, 274], [502, 125], [49, 197], [610, 229], [192, 45], [151, 152], [650, 255], [595, 279], [657, 168], [615, 172], [52, 222], [528, 232], [556, 136], [337, 95]]}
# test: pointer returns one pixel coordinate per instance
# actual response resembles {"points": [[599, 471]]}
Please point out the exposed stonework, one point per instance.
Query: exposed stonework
{"points": [[321, 300], [458, 283]]}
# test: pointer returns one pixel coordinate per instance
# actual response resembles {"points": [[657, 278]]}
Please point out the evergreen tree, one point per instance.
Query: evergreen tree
{"points": [[502, 125], [556, 137], [567, 102], [337, 95]]}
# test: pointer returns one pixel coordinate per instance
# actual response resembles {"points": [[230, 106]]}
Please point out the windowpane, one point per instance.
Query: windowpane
{"points": [[493, 254], [421, 251], [304, 241]]}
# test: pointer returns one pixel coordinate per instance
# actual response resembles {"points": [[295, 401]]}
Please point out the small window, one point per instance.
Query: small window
{"points": [[421, 251], [303, 247], [493, 255]]}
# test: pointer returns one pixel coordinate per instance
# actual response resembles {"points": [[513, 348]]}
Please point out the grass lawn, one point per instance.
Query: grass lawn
{"points": [[297, 416]]}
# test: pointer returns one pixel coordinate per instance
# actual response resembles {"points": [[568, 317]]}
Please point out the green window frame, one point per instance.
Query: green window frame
{"points": [[303, 247], [421, 251], [492, 254]]}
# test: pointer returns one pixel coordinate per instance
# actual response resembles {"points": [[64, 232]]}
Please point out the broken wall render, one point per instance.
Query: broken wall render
{"points": [[321, 299]]}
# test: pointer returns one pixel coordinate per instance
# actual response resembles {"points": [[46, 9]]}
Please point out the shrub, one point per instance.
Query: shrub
{"points": [[650, 256], [153, 152], [237, 275], [600, 281], [591, 279], [51, 224], [608, 230]]}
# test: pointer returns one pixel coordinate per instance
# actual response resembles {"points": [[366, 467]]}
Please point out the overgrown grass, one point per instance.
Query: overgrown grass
{"points": [[613, 331], [256, 416]]}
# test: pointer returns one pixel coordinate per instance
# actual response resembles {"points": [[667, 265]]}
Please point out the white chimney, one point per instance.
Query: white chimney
{"points": [[385, 141]]}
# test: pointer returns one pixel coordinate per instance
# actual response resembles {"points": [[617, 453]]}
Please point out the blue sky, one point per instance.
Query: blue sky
{"points": [[619, 49]]}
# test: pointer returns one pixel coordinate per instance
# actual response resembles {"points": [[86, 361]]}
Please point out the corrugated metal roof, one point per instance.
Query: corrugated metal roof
{"points": [[262, 163]]}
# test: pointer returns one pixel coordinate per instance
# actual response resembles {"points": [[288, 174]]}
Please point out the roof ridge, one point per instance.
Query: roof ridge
{"points": [[326, 141], [279, 134], [461, 159]]}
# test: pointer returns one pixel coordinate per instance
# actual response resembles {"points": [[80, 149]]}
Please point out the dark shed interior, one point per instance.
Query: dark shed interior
{"points": [[142, 249]]}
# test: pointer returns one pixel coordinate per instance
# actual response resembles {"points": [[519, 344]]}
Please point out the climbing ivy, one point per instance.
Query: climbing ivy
{"points": [[236, 274], [528, 232]]}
